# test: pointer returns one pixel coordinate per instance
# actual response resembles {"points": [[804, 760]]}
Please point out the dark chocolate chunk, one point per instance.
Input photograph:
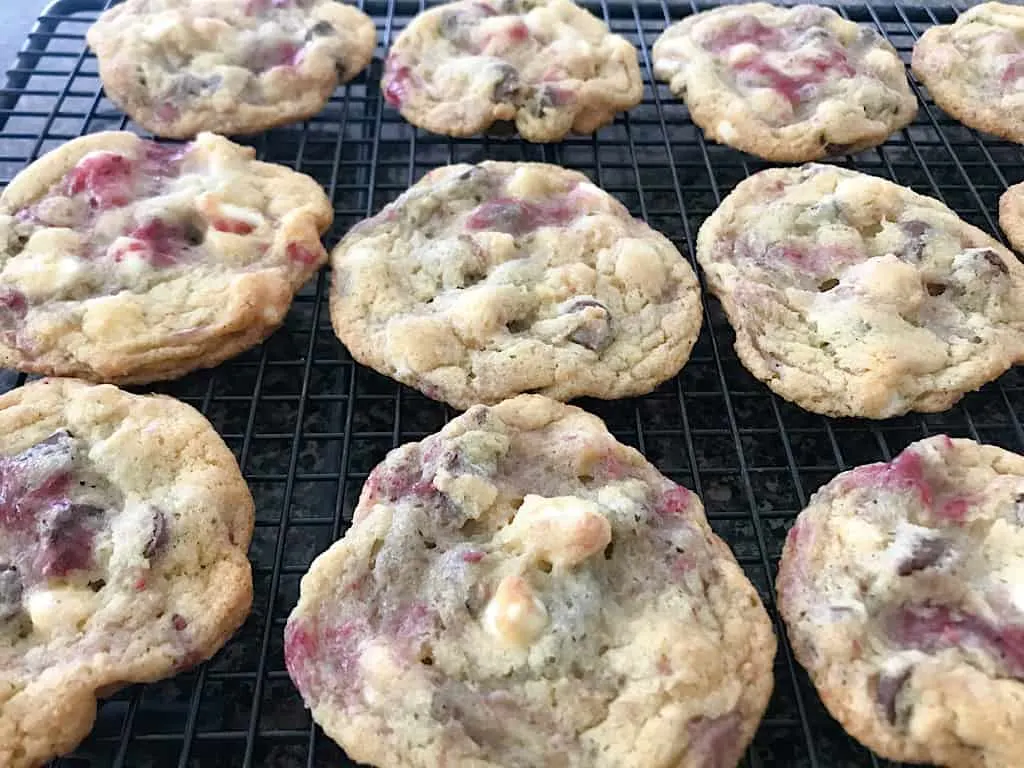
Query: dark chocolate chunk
{"points": [[158, 535], [838, 149], [595, 330], [888, 690], [11, 589], [926, 553], [507, 87], [994, 260], [320, 29]]}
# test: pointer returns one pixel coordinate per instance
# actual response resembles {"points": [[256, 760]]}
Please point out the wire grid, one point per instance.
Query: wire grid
{"points": [[307, 424]]}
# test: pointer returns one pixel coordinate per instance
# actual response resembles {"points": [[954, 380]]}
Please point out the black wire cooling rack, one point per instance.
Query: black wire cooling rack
{"points": [[307, 424]]}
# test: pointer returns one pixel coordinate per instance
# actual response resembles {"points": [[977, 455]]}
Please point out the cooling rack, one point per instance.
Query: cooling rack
{"points": [[307, 424]]}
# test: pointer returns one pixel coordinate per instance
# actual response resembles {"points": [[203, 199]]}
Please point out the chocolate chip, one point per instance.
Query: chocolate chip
{"points": [[914, 247], [926, 553], [887, 690], [595, 330], [838, 149], [935, 289], [158, 535], [11, 589], [993, 259], [507, 87], [320, 29], [827, 285]]}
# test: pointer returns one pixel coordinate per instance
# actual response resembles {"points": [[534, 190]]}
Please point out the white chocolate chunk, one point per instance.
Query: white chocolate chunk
{"points": [[60, 610], [565, 530], [515, 615]]}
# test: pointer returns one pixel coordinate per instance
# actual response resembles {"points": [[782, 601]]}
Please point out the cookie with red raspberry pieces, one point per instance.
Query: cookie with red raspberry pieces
{"points": [[786, 84], [123, 260], [520, 589], [902, 592], [124, 525], [548, 65], [974, 68], [1011, 215], [853, 296], [486, 281], [180, 67]]}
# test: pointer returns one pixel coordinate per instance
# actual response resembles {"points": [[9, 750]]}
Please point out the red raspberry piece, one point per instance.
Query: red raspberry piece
{"points": [[676, 501], [105, 177], [514, 216], [234, 227], [397, 82], [299, 253], [748, 29]]}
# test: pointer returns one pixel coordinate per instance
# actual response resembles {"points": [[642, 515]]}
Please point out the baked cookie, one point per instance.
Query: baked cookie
{"points": [[124, 525], [974, 68], [1011, 215], [549, 65], [484, 281], [853, 296], [179, 67], [124, 260], [521, 590], [901, 589], [787, 84]]}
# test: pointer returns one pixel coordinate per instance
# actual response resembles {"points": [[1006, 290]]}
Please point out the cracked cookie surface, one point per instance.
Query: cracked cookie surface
{"points": [[902, 592], [180, 67], [974, 68], [787, 84], [124, 260], [124, 525], [548, 65], [520, 590], [482, 282], [853, 296]]}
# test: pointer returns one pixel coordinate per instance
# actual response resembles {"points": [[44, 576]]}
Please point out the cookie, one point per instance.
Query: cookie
{"points": [[548, 65], [124, 525], [974, 68], [1011, 215], [901, 589], [854, 296], [124, 260], [485, 281], [522, 590], [180, 67], [787, 84]]}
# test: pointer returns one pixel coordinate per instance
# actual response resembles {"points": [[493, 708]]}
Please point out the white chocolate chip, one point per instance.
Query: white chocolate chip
{"points": [[515, 615], [725, 131], [564, 530], [60, 610]]}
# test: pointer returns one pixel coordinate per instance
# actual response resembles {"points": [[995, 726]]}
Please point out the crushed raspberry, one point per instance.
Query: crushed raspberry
{"points": [[410, 622], [281, 54], [473, 556], [748, 29], [178, 622], [515, 216], [68, 532], [397, 82], [235, 227], [1014, 71], [337, 646], [612, 467], [166, 112], [300, 254], [518, 32], [713, 737], [394, 483], [954, 510], [163, 159], [934, 628], [676, 501], [105, 178], [904, 473], [157, 241], [794, 88], [13, 308]]}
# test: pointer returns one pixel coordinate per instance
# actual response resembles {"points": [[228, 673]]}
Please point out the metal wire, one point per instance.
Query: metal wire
{"points": [[307, 424]]}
